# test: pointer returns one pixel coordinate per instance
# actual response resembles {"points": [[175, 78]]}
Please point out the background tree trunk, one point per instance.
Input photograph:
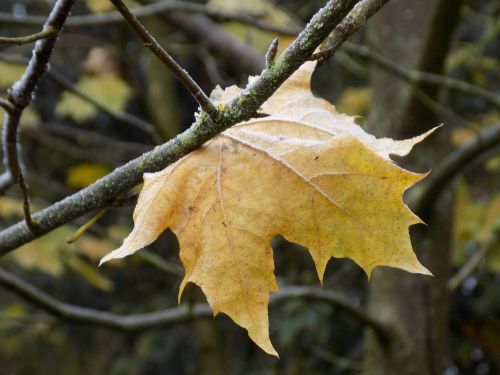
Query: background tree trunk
{"points": [[415, 34]]}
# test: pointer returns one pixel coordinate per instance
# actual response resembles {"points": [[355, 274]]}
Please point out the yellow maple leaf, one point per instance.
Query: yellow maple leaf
{"points": [[305, 172]]}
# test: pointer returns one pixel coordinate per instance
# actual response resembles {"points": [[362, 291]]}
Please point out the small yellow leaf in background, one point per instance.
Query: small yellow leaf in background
{"points": [[460, 136], [492, 165], [44, 254], [99, 6], [15, 309], [355, 101], [84, 174], [10, 73], [29, 118], [94, 248], [477, 222], [51, 254], [89, 273], [108, 89], [306, 172], [10, 207]]}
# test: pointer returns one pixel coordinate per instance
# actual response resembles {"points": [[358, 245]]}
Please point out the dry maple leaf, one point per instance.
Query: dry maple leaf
{"points": [[305, 172]]}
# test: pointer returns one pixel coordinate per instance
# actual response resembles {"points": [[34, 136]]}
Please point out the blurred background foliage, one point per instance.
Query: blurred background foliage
{"points": [[70, 141]]}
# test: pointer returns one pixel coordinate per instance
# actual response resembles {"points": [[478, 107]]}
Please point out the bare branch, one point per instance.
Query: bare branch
{"points": [[45, 33], [86, 226], [160, 7], [7, 106], [425, 197], [415, 76], [216, 38], [320, 294], [69, 86], [85, 315], [119, 116], [472, 263], [102, 192], [160, 263], [150, 42], [122, 150], [338, 361], [210, 66], [175, 315], [20, 96]]}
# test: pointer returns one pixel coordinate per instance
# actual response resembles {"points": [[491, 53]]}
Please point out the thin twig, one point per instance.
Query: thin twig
{"points": [[472, 263], [415, 76], [87, 137], [428, 192], [150, 42], [173, 315], [210, 66], [20, 95], [160, 7], [103, 191], [7, 106], [215, 38], [85, 227], [338, 361], [108, 155], [320, 294], [120, 116], [45, 33], [160, 263], [427, 100]]}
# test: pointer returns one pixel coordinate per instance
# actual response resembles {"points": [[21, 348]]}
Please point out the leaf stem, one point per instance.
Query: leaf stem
{"points": [[48, 31]]}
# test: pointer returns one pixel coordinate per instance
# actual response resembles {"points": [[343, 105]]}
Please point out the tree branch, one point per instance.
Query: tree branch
{"points": [[472, 263], [239, 109], [160, 7], [184, 313], [45, 33], [150, 42], [324, 295], [215, 38], [120, 116], [424, 198], [6, 105], [414, 76], [66, 84], [20, 95]]}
